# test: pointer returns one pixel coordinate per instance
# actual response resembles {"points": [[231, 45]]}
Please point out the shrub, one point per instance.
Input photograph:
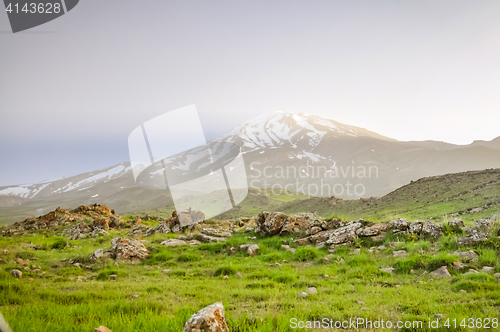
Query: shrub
{"points": [[306, 254], [224, 270], [188, 257], [412, 263], [59, 243], [441, 260]]}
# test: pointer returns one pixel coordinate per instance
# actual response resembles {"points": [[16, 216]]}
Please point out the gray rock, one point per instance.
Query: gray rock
{"points": [[398, 225], [174, 243], [456, 223], [487, 269], [441, 272], [302, 294], [387, 269], [467, 256], [431, 230], [472, 239], [400, 253], [497, 275], [484, 224]]}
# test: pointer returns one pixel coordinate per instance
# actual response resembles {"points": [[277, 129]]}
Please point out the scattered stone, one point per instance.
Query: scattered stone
{"points": [[487, 269], [287, 248], [253, 250], [400, 253], [209, 319], [97, 254], [463, 291], [166, 271], [113, 276], [467, 256], [497, 275], [441, 316], [312, 290], [387, 269], [360, 302], [16, 273], [356, 251], [226, 277], [216, 232], [302, 294], [382, 247], [174, 242], [102, 329], [441, 272], [458, 266], [238, 275]]}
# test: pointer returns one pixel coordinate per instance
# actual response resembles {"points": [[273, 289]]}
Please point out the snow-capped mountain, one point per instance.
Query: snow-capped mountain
{"points": [[285, 150], [291, 129]]}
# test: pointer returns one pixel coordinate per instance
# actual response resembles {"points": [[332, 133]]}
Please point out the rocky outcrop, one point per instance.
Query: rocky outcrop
{"points": [[431, 230], [398, 225], [270, 223], [456, 223], [101, 222], [208, 319], [189, 217], [127, 249]]}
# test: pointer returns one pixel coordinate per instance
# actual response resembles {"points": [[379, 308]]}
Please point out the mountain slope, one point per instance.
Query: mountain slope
{"points": [[297, 152]]}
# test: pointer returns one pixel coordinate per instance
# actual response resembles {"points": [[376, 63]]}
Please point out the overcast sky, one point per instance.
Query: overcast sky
{"points": [[73, 89]]}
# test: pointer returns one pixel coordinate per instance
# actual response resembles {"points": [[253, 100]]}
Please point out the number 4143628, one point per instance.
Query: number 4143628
{"points": [[472, 323], [35, 8]]}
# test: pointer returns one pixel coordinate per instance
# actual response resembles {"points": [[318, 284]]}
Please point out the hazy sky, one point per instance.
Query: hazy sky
{"points": [[73, 89]]}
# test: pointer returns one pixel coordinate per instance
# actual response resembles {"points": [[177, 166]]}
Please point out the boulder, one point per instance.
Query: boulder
{"points": [[441, 272], [16, 273], [415, 227], [373, 230], [209, 319], [127, 249], [398, 225], [297, 223], [270, 222], [215, 232], [344, 234], [101, 222], [431, 230], [174, 242], [472, 239], [456, 223], [253, 250], [484, 224], [467, 256]]}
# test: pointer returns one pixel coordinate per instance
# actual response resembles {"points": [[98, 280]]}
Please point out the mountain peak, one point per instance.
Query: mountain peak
{"points": [[288, 128]]}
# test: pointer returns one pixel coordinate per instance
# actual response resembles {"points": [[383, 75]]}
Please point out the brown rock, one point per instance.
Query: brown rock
{"points": [[16, 273], [209, 319], [102, 329]]}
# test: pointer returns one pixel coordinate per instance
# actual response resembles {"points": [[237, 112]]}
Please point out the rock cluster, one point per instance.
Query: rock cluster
{"points": [[83, 231], [337, 232]]}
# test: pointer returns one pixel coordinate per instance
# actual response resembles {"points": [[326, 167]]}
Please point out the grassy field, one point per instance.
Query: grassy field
{"points": [[264, 298]]}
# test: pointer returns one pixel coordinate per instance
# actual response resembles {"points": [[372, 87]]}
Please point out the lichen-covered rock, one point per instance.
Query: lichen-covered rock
{"points": [[344, 234], [127, 249], [456, 223], [398, 225], [415, 227], [431, 230], [484, 224], [270, 222], [216, 232], [101, 222], [472, 239], [467, 256], [372, 230], [209, 319], [208, 239], [297, 224]]}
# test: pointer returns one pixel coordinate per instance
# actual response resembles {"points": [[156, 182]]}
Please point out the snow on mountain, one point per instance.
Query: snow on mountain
{"points": [[290, 129]]}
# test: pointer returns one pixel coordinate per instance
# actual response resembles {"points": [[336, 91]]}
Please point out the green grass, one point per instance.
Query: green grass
{"points": [[142, 297]]}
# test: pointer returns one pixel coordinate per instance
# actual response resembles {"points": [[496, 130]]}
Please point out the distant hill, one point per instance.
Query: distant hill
{"points": [[469, 195]]}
